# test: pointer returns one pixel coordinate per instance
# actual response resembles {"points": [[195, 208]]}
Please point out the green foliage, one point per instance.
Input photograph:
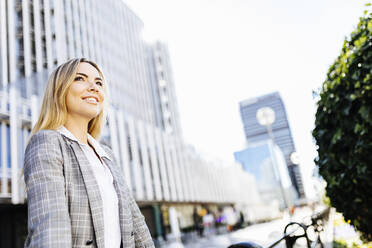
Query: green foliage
{"points": [[343, 129], [339, 244]]}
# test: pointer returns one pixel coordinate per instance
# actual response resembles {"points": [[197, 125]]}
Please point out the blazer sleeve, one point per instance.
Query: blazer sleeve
{"points": [[142, 236], [49, 222]]}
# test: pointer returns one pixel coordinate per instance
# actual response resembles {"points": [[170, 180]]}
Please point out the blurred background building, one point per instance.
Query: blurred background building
{"points": [[254, 132], [265, 161], [163, 88], [143, 127]]}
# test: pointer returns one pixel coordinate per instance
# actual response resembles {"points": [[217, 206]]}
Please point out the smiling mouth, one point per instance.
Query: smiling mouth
{"points": [[91, 100]]}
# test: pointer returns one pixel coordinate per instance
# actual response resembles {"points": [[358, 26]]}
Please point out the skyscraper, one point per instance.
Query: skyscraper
{"points": [[281, 131], [163, 88]]}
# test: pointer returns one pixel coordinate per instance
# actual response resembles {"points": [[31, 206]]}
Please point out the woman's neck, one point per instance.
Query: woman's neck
{"points": [[79, 128]]}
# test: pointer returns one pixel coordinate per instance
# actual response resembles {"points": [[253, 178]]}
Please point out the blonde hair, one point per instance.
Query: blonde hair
{"points": [[53, 111]]}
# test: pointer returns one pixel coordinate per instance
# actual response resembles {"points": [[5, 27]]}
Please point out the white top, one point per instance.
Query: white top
{"points": [[105, 183]]}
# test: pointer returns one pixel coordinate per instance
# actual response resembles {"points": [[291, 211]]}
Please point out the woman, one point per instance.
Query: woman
{"points": [[76, 192]]}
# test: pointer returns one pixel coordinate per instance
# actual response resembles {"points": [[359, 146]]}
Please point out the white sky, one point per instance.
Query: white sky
{"points": [[224, 51]]}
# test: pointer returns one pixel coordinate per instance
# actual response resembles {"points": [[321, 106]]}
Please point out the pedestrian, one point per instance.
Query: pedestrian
{"points": [[207, 222], [198, 222], [76, 193]]}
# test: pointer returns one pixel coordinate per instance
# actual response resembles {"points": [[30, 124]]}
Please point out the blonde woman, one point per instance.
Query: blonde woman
{"points": [[76, 193]]}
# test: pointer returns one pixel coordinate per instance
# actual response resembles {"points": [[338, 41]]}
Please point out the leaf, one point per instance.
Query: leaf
{"points": [[364, 112], [337, 136], [347, 110], [358, 128], [369, 26]]}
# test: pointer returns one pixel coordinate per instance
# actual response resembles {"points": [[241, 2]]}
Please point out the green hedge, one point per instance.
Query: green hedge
{"points": [[343, 129]]}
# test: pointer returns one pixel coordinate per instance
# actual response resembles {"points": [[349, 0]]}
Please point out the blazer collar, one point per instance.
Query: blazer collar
{"points": [[97, 147], [92, 189], [122, 195]]}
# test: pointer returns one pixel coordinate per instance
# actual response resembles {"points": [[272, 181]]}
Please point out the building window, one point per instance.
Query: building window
{"points": [[129, 149], [1, 145], [8, 144]]}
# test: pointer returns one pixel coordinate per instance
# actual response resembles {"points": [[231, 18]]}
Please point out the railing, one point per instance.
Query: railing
{"points": [[294, 231]]}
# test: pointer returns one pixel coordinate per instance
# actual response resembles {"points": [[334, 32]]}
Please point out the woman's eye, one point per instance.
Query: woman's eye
{"points": [[79, 78], [99, 83]]}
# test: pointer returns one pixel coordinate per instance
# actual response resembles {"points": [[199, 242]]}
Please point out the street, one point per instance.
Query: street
{"points": [[263, 234]]}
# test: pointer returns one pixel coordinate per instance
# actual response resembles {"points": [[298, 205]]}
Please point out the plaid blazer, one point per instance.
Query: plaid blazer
{"points": [[64, 201]]}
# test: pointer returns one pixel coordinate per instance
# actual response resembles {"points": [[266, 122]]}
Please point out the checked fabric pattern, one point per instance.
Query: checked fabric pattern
{"points": [[64, 201]]}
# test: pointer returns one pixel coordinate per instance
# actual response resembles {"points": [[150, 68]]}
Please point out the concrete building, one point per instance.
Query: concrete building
{"points": [[143, 127], [281, 131]]}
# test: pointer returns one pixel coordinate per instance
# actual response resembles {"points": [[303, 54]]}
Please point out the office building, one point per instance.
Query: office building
{"points": [[280, 128], [143, 127], [163, 88]]}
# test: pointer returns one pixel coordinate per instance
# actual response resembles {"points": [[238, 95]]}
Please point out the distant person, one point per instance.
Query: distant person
{"points": [[240, 223], [76, 193], [198, 222], [207, 222]]}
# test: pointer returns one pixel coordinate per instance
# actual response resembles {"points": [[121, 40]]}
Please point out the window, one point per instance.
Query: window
{"points": [[1, 145], [8, 144]]}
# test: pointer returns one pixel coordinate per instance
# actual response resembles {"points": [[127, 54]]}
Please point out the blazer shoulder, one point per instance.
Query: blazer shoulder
{"points": [[45, 137], [47, 133], [43, 151]]}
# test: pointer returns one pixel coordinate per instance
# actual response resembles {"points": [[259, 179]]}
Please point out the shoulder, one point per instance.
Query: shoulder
{"points": [[43, 152], [46, 135], [44, 138]]}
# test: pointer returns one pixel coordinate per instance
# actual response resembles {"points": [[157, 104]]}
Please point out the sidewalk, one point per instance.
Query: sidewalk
{"points": [[262, 234]]}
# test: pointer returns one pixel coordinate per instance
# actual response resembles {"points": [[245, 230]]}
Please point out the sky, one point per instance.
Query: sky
{"points": [[225, 51]]}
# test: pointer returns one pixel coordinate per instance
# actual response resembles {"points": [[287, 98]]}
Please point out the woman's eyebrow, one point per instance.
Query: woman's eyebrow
{"points": [[80, 73], [85, 75]]}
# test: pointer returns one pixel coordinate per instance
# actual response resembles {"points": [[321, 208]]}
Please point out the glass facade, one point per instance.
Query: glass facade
{"points": [[266, 163]]}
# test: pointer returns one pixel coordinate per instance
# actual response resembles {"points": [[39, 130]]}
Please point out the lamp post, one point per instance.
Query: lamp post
{"points": [[295, 158], [266, 117]]}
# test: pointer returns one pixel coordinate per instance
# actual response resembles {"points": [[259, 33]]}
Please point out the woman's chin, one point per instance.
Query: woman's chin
{"points": [[93, 113], [91, 116]]}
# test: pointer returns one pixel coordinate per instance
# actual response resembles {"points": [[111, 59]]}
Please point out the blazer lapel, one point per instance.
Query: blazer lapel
{"points": [[119, 188], [94, 195]]}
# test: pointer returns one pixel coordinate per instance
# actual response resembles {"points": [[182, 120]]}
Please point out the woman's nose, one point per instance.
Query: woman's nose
{"points": [[93, 86]]}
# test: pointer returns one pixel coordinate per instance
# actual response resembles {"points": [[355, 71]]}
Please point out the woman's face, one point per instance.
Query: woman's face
{"points": [[85, 95]]}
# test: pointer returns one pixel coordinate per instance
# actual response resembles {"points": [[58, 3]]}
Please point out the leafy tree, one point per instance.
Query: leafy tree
{"points": [[343, 129]]}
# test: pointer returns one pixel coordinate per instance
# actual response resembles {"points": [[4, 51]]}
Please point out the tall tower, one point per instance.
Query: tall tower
{"points": [[163, 88], [281, 131]]}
